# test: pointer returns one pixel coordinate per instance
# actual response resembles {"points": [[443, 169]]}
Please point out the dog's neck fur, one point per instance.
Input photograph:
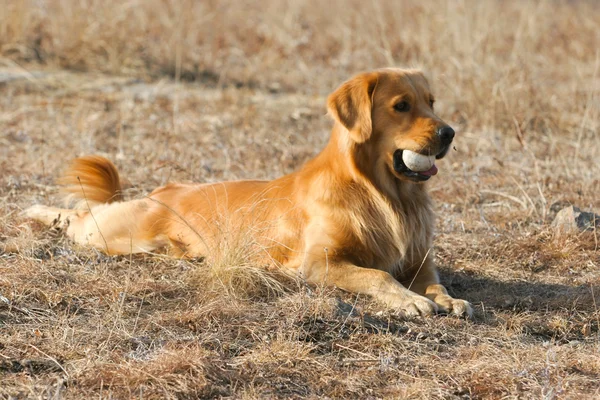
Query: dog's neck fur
{"points": [[358, 163], [344, 170]]}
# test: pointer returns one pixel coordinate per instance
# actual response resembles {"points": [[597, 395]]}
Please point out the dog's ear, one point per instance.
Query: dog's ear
{"points": [[351, 105]]}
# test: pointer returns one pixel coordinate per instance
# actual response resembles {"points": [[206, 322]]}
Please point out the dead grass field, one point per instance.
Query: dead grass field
{"points": [[214, 90]]}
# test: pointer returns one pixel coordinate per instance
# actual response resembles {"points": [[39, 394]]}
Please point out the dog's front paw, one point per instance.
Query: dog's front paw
{"points": [[450, 305], [416, 305]]}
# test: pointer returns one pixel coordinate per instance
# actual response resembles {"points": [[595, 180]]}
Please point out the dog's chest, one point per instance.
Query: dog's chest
{"points": [[362, 226], [395, 236]]}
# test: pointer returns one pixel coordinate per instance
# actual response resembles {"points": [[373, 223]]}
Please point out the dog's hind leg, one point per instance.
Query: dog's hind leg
{"points": [[49, 216], [116, 228]]}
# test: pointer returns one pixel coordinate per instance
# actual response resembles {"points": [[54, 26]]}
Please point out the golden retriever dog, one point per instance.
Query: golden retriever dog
{"points": [[355, 217]]}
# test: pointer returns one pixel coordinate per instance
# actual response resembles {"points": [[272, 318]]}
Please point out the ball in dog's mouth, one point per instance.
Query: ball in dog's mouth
{"points": [[415, 166]]}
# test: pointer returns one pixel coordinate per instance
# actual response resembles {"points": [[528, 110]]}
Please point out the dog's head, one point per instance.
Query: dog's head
{"points": [[390, 111]]}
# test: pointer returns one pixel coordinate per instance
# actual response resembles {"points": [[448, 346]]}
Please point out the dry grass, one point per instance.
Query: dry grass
{"points": [[518, 79]]}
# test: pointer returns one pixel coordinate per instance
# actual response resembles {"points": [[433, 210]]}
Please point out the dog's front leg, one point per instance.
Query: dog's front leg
{"points": [[427, 283], [378, 284]]}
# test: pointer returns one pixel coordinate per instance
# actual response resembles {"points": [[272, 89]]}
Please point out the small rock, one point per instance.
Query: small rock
{"points": [[274, 87], [572, 219]]}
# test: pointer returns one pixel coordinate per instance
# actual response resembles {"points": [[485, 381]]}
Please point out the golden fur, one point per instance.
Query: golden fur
{"points": [[347, 218]]}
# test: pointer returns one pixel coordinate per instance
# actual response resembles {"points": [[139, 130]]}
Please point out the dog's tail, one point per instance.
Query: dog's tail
{"points": [[90, 181]]}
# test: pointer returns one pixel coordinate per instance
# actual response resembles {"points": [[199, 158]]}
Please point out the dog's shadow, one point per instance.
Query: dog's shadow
{"points": [[517, 295], [532, 304]]}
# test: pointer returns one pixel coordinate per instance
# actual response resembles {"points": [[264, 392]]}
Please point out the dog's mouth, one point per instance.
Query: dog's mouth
{"points": [[427, 171]]}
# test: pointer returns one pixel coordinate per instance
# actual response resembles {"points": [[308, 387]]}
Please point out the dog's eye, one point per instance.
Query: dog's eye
{"points": [[431, 102], [402, 106]]}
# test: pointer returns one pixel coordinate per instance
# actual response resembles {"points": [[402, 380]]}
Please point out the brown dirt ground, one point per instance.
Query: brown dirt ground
{"points": [[75, 323]]}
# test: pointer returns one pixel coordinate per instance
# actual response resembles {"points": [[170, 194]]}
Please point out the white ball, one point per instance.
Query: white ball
{"points": [[417, 162]]}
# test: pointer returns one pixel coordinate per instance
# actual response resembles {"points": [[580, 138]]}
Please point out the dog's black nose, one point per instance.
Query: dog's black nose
{"points": [[446, 134]]}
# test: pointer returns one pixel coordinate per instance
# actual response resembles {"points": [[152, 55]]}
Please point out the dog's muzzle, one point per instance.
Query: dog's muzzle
{"points": [[445, 136]]}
